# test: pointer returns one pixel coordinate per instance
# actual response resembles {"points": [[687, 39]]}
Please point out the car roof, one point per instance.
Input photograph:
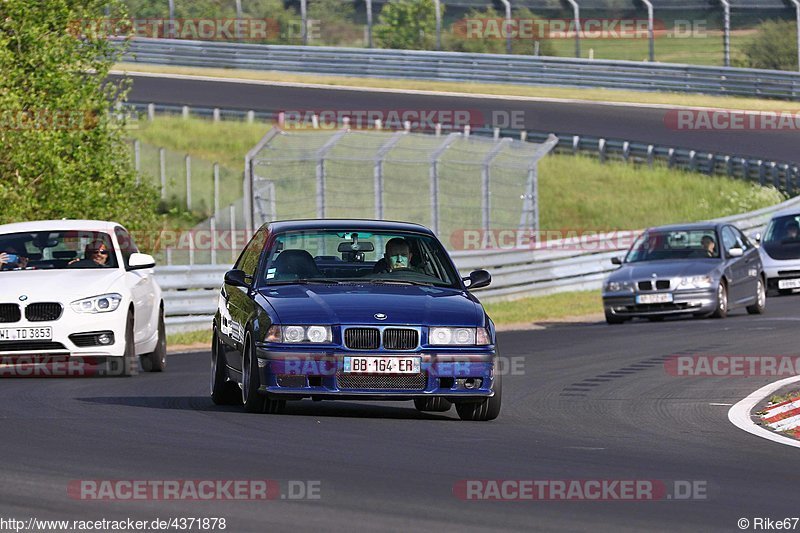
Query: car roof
{"points": [[56, 225], [689, 227], [346, 224]]}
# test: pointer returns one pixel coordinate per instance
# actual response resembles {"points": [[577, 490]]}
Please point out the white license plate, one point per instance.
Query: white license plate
{"points": [[381, 365], [659, 298], [26, 334], [788, 283]]}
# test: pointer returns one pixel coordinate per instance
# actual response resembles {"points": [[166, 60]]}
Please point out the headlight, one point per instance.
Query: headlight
{"points": [[104, 303], [618, 286], [458, 337], [695, 282], [298, 334]]}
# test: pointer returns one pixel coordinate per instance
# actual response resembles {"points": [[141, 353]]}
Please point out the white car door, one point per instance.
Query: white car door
{"points": [[141, 285]]}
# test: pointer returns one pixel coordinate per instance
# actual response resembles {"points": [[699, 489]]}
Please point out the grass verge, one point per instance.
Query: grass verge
{"points": [[598, 95]]}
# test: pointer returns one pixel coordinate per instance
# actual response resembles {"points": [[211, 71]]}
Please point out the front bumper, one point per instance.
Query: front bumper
{"points": [[68, 324], [777, 271], [293, 374], [624, 305]]}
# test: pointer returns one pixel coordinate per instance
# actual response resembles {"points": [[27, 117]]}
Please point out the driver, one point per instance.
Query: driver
{"points": [[398, 254]]}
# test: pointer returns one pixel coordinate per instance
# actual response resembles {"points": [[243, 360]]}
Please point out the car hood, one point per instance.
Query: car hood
{"points": [[782, 252], [358, 304], [665, 269], [56, 285]]}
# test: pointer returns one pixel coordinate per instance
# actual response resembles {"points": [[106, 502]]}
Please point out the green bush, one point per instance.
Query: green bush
{"points": [[62, 153], [774, 46], [407, 25]]}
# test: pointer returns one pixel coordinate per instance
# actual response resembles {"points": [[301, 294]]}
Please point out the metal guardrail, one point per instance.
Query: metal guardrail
{"points": [[470, 67], [191, 293]]}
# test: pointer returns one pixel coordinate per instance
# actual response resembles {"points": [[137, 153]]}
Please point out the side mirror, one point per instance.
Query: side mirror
{"points": [[735, 252], [237, 278], [616, 260], [478, 279], [139, 261], [756, 237]]}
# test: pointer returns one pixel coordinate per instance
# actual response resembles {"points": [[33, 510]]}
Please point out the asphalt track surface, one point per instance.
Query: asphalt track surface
{"points": [[590, 401], [642, 124]]}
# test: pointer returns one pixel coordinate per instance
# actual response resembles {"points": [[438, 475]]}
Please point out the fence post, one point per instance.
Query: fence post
{"points": [[369, 23], [151, 112], [188, 160], [233, 233], [216, 114], [191, 248], [486, 193], [216, 190], [162, 163], [169, 256], [137, 157], [726, 33], [185, 112], [433, 173], [304, 21], [213, 223]]}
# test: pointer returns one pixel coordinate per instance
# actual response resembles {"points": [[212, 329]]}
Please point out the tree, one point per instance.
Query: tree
{"points": [[407, 24], [62, 154], [774, 46]]}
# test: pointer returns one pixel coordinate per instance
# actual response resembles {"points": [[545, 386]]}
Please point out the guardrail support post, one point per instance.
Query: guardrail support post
{"points": [[576, 142], [726, 33], [185, 112], [712, 164], [728, 166], [601, 150], [776, 179], [650, 154], [692, 160], [251, 116], [745, 168], [762, 173], [151, 112], [626, 151], [671, 158]]}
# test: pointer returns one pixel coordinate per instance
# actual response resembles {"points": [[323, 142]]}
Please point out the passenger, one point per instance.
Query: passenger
{"points": [[95, 254], [792, 230], [20, 263]]}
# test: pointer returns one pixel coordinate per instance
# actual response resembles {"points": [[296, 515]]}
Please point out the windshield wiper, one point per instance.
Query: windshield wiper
{"points": [[403, 282], [304, 281]]}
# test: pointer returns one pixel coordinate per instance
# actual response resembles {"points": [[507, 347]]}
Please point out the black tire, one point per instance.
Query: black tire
{"points": [[722, 301], [253, 401], [488, 409], [223, 391], [156, 361], [128, 364], [613, 319], [760, 306], [437, 405]]}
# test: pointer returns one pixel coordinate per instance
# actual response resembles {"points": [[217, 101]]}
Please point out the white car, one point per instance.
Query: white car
{"points": [[79, 290], [780, 252]]}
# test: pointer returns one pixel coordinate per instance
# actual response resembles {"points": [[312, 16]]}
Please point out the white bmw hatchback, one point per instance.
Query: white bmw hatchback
{"points": [[79, 290]]}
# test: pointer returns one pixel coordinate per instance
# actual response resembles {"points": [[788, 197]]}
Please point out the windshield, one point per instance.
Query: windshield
{"points": [[677, 244], [783, 230], [48, 250], [357, 256]]}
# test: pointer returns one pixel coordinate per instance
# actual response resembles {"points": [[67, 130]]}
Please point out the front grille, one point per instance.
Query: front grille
{"points": [[645, 286], [43, 311], [30, 346], [9, 313], [292, 381], [662, 284], [789, 272], [657, 307], [381, 381], [400, 339], [362, 338]]}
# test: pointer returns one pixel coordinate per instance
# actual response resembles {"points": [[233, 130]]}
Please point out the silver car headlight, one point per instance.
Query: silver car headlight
{"points": [[619, 286], [105, 303], [695, 282], [441, 336], [299, 334]]}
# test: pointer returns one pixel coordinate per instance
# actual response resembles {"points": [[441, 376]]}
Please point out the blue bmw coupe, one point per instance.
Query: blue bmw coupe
{"points": [[353, 309]]}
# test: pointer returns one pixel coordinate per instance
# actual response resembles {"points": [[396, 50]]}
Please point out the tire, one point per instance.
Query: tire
{"points": [[612, 319], [156, 361], [722, 301], [253, 401], [223, 391], [128, 364], [437, 405], [488, 409], [760, 306]]}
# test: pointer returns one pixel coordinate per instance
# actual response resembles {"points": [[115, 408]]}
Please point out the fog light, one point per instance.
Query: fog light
{"points": [[472, 383], [105, 338]]}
